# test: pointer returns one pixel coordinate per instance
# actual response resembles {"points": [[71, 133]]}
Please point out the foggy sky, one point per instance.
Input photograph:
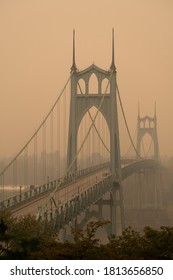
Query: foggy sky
{"points": [[36, 56]]}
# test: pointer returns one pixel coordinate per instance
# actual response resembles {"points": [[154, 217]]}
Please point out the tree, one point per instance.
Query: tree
{"points": [[21, 236], [127, 246], [158, 243], [27, 238], [86, 245]]}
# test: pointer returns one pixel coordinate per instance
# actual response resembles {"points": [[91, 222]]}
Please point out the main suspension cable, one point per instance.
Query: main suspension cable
{"points": [[125, 120], [129, 148], [40, 126]]}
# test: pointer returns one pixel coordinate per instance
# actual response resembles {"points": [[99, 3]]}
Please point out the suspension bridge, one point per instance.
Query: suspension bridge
{"points": [[71, 169]]}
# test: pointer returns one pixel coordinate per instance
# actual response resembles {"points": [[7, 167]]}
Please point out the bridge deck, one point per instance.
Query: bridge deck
{"points": [[74, 195], [66, 192]]}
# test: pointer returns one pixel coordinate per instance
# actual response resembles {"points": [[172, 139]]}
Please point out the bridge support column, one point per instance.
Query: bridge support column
{"points": [[113, 212], [116, 200]]}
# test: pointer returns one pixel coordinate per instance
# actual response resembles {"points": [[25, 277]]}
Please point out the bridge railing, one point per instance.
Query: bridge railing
{"points": [[138, 165], [36, 191], [69, 210]]}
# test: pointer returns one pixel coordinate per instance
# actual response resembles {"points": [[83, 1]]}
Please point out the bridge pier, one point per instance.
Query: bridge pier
{"points": [[116, 201], [113, 212]]}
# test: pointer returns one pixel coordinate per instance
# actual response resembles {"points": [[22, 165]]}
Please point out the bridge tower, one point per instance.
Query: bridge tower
{"points": [[145, 207], [149, 179], [79, 106], [147, 125]]}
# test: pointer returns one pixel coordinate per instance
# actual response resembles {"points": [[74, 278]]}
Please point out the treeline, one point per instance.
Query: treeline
{"points": [[27, 238]]}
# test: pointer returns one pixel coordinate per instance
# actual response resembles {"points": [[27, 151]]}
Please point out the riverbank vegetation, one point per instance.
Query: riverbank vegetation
{"points": [[27, 238]]}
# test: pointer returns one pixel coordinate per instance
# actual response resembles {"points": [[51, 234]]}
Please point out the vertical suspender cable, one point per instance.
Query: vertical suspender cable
{"points": [[60, 136], [92, 140], [44, 152], [89, 143], [64, 149], [58, 140], [14, 176], [99, 147], [86, 144], [65, 129], [51, 145], [35, 159], [79, 140], [2, 187], [26, 166], [102, 133]]}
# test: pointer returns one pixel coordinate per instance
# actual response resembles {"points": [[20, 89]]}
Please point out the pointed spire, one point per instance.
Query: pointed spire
{"points": [[73, 68], [113, 59]]}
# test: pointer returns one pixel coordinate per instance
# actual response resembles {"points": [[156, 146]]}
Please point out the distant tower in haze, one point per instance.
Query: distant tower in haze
{"points": [[147, 125]]}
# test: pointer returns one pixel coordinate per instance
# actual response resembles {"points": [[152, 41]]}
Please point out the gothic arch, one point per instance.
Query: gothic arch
{"points": [[99, 137], [81, 86], [147, 123], [105, 88], [89, 107], [152, 124], [150, 128], [93, 84]]}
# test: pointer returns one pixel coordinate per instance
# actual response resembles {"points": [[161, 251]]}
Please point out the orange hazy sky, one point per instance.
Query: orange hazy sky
{"points": [[36, 56]]}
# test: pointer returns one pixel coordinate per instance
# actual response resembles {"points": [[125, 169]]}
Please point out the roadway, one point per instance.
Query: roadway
{"points": [[73, 188], [61, 195]]}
